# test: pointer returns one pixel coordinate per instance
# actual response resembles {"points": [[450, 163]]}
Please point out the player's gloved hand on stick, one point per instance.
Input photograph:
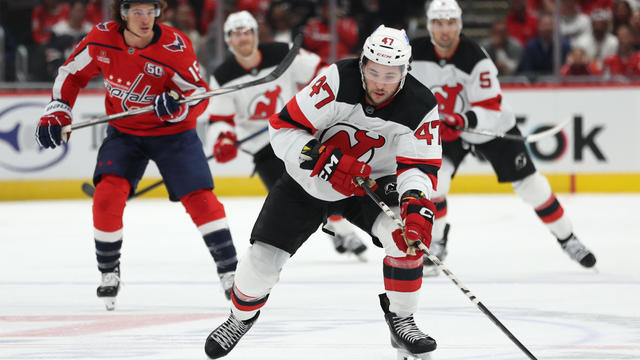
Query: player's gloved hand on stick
{"points": [[56, 115], [451, 122], [331, 165], [167, 108], [225, 148], [418, 213]]}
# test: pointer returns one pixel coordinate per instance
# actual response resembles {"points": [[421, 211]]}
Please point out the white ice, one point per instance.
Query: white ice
{"points": [[326, 305]]}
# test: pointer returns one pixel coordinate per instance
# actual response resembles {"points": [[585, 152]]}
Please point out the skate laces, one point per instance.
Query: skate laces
{"points": [[230, 332], [407, 329], [575, 248], [110, 279]]}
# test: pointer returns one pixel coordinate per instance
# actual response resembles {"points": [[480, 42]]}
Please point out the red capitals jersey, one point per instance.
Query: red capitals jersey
{"points": [[134, 77]]}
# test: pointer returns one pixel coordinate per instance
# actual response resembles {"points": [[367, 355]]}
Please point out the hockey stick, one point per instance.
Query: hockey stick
{"points": [[528, 139], [88, 189], [385, 208], [276, 73]]}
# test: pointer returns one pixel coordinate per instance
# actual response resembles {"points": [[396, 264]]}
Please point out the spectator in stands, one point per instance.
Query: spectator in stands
{"points": [[44, 16], [578, 64], [587, 6], [621, 14], [317, 35], [538, 54], [94, 12], [279, 21], [504, 50], [600, 43], [522, 24], [627, 61], [65, 35], [184, 20], [541, 6], [573, 23], [207, 15], [634, 24]]}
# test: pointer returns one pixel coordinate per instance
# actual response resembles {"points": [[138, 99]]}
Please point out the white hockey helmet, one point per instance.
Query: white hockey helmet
{"points": [[443, 9], [387, 46], [240, 20]]}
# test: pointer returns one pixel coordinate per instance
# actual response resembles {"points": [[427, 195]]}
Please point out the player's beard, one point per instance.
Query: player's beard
{"points": [[388, 95]]}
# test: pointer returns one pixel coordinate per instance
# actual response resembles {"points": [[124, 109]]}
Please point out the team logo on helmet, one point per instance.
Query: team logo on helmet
{"points": [[177, 46]]}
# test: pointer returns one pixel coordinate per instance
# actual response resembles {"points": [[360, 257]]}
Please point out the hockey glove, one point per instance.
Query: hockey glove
{"points": [[453, 122], [225, 148], [417, 212], [331, 165], [167, 108], [56, 115]]}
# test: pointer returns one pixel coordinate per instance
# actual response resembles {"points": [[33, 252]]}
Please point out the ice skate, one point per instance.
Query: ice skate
{"points": [[226, 281], [350, 243], [577, 251], [226, 336], [410, 342], [109, 287], [439, 249]]}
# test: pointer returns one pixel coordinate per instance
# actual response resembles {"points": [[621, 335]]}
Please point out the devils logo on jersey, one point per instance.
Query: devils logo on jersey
{"points": [[177, 46], [265, 105], [449, 99], [353, 141]]}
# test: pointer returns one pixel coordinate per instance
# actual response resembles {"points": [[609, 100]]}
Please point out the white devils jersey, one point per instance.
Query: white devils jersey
{"points": [[249, 109], [397, 138], [465, 83]]}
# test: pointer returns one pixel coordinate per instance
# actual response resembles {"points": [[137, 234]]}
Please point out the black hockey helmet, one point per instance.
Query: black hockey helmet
{"points": [[126, 4]]}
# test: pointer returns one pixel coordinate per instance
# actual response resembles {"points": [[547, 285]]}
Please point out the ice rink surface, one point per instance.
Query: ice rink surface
{"points": [[326, 305]]}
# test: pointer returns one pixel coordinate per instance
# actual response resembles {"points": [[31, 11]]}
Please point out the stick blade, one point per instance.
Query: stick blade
{"points": [[546, 133]]}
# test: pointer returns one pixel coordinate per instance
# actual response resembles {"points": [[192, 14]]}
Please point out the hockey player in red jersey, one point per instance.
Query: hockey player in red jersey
{"points": [[142, 63], [247, 111], [361, 117], [465, 82]]}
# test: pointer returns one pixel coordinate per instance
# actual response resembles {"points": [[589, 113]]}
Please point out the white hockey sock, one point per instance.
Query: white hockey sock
{"points": [[339, 227], [403, 303], [536, 191], [258, 271]]}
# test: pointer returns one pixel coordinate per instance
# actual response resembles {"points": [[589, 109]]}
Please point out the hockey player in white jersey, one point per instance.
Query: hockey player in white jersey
{"points": [[247, 111], [361, 117], [465, 82]]}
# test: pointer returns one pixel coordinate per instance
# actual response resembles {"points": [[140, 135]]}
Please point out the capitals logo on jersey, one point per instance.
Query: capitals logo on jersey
{"points": [[450, 99], [266, 104], [178, 45], [126, 92], [360, 144]]}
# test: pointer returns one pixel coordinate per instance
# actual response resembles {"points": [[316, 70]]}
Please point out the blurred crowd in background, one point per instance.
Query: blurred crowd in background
{"points": [[597, 40]]}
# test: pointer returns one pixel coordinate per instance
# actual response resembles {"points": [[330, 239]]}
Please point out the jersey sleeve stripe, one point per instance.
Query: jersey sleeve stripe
{"points": [[292, 117], [411, 161], [79, 62], [489, 104]]}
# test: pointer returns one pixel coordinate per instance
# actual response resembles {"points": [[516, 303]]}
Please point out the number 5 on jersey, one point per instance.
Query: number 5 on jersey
{"points": [[321, 85]]}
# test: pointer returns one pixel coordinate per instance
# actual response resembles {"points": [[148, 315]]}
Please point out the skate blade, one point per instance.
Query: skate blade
{"points": [[405, 355], [430, 271], [109, 302]]}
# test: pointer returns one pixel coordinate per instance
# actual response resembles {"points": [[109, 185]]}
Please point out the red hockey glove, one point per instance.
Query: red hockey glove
{"points": [[168, 109], [331, 165], [225, 148], [449, 132], [56, 116], [417, 213]]}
